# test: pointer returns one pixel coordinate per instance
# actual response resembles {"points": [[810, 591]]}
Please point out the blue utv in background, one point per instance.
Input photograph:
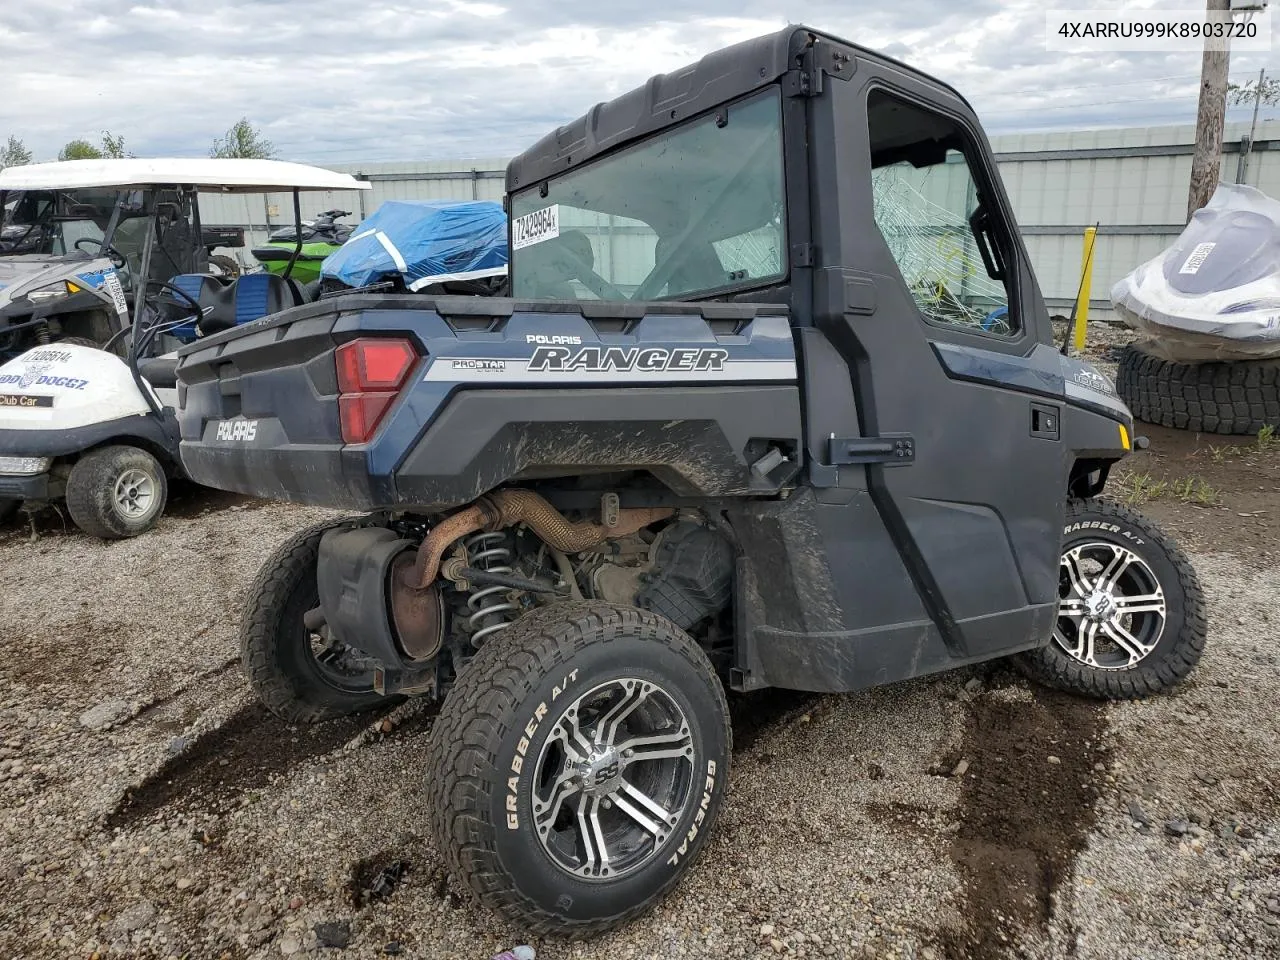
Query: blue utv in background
{"points": [[431, 247]]}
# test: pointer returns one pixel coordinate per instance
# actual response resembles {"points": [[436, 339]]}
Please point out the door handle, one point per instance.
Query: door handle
{"points": [[1045, 421]]}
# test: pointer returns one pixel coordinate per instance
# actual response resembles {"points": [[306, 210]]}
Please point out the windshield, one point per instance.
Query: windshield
{"points": [[694, 211], [51, 222]]}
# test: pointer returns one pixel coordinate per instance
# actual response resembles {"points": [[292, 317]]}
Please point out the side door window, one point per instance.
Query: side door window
{"points": [[933, 212]]}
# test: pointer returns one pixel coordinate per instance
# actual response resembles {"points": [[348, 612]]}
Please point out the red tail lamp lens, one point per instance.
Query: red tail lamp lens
{"points": [[360, 413], [368, 365], [370, 374]]}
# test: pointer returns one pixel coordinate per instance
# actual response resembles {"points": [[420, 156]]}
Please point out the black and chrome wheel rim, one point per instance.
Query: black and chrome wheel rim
{"points": [[613, 780], [1112, 609]]}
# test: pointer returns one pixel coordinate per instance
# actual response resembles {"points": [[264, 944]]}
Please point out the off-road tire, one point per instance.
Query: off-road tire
{"points": [[557, 653], [229, 266], [275, 650], [80, 342], [91, 491], [1180, 644], [1240, 397]]}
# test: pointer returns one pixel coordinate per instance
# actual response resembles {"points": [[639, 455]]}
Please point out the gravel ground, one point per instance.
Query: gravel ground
{"points": [[149, 807]]}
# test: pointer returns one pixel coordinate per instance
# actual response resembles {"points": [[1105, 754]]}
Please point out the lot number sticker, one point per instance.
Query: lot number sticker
{"points": [[1197, 258], [112, 283], [535, 227]]}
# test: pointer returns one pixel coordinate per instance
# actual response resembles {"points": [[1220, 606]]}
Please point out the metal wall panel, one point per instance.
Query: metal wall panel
{"points": [[1132, 181]]}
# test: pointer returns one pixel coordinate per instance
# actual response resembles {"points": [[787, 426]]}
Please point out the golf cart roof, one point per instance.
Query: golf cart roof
{"points": [[219, 175]]}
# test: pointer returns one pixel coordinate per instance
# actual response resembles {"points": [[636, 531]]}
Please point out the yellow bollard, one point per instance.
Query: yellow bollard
{"points": [[1086, 281]]}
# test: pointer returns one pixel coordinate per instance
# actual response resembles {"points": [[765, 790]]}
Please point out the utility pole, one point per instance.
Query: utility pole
{"points": [[1242, 168], [1206, 165]]}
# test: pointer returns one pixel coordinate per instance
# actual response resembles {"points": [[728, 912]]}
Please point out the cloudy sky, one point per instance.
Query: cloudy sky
{"points": [[336, 81]]}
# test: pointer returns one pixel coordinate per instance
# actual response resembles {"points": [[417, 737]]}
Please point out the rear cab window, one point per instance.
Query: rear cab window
{"points": [[694, 211]]}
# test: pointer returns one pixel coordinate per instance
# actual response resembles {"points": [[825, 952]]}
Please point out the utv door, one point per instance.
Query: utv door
{"points": [[943, 438]]}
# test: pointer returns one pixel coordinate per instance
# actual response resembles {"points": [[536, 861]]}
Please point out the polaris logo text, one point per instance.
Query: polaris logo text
{"points": [[646, 359], [237, 430], [543, 338]]}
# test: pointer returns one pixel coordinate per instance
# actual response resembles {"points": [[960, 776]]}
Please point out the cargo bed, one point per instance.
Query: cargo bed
{"points": [[496, 390]]}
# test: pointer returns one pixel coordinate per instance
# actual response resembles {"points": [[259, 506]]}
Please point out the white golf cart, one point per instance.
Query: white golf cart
{"points": [[87, 388]]}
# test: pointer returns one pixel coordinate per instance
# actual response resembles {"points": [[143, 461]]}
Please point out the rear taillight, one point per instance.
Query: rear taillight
{"points": [[370, 374]]}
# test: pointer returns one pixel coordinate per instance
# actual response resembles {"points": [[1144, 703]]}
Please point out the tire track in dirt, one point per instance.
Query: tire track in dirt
{"points": [[246, 752], [1028, 803]]}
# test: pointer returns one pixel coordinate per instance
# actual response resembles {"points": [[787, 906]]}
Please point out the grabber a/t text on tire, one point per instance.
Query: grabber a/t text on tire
{"points": [[578, 765], [1131, 618], [300, 674]]}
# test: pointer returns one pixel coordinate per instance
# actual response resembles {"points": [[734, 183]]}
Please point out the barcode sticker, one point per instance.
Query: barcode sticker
{"points": [[535, 227], [1197, 258]]}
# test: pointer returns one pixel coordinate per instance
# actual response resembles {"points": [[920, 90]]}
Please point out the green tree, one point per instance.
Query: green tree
{"points": [[79, 150], [1238, 93], [14, 153], [113, 145], [243, 141]]}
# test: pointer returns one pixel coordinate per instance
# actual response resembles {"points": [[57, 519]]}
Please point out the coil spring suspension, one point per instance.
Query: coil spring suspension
{"points": [[491, 607], [42, 335]]}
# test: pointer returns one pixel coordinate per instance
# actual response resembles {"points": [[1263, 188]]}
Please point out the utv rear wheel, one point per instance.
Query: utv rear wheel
{"points": [[116, 492], [578, 765], [301, 675], [1131, 618]]}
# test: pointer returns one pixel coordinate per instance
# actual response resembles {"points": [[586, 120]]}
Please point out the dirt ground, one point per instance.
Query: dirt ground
{"points": [[150, 807]]}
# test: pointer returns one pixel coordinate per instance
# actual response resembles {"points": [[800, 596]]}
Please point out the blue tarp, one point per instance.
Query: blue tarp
{"points": [[425, 243]]}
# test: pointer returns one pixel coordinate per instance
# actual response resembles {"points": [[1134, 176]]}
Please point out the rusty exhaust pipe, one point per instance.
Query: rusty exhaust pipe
{"points": [[506, 508]]}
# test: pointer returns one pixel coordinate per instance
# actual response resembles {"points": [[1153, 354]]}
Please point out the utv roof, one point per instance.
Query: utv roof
{"points": [[671, 98], [228, 176]]}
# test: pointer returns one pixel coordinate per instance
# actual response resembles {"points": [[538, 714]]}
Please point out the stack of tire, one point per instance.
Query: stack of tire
{"points": [[1236, 397]]}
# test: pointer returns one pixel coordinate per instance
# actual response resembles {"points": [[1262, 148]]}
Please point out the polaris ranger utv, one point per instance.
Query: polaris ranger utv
{"points": [[792, 416]]}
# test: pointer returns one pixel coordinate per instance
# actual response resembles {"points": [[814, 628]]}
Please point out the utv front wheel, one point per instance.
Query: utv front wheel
{"points": [[301, 675], [578, 765], [1131, 618], [116, 492]]}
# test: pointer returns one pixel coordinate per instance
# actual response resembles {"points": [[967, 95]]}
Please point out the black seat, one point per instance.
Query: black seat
{"points": [[552, 264], [228, 304], [247, 298], [160, 372], [203, 288]]}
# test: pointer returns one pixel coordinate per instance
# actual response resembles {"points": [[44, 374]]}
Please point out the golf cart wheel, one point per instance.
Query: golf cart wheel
{"points": [[578, 765], [116, 492], [1131, 619], [301, 675]]}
